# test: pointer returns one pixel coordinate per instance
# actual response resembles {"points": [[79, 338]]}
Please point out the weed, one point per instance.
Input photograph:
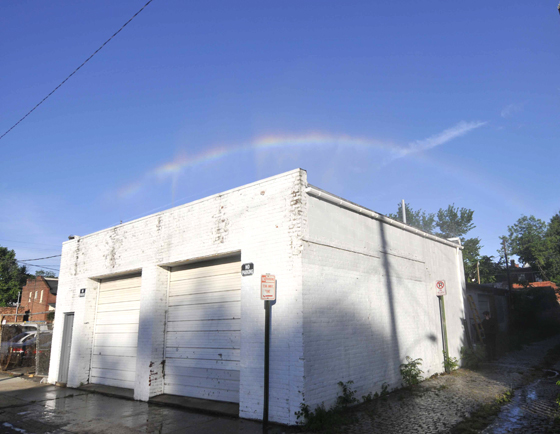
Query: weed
{"points": [[505, 398], [449, 363], [472, 358], [369, 397], [348, 396], [411, 372], [384, 391], [322, 419]]}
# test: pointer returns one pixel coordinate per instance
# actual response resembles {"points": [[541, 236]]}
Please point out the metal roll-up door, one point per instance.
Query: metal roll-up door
{"points": [[204, 330], [116, 332]]}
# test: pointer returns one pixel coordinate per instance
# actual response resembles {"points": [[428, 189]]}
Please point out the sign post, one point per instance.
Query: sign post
{"points": [[441, 291], [268, 294]]}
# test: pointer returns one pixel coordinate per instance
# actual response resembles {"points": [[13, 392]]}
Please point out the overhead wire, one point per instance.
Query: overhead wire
{"points": [[38, 259], [38, 266], [76, 70], [26, 242]]}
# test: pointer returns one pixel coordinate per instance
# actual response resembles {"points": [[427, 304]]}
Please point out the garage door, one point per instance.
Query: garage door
{"points": [[203, 330], [116, 332]]}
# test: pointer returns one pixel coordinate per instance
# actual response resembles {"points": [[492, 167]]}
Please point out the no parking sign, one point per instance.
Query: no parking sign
{"points": [[441, 289]]}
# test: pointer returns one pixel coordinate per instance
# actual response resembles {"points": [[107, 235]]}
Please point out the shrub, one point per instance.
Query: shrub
{"points": [[321, 419], [472, 358], [449, 363], [348, 395], [411, 372]]}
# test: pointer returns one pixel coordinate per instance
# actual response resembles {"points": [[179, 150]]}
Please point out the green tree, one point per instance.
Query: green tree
{"points": [[490, 270], [44, 273], [419, 219], [526, 239], [538, 244], [450, 222], [454, 222], [552, 236], [12, 276]]}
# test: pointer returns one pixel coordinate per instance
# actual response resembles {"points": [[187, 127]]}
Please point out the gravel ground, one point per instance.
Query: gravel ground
{"points": [[438, 404]]}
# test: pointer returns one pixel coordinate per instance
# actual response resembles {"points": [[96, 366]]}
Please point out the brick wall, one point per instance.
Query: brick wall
{"points": [[8, 313], [264, 221], [35, 297], [369, 301]]}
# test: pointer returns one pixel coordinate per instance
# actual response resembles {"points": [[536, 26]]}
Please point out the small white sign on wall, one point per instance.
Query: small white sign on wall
{"points": [[441, 288], [268, 287]]}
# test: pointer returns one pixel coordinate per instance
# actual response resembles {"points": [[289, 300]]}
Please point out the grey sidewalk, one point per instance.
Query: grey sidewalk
{"points": [[27, 407]]}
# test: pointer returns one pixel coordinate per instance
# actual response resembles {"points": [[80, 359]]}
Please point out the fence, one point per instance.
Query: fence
{"points": [[26, 348]]}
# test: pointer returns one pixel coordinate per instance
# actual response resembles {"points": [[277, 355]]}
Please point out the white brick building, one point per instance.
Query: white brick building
{"points": [[165, 309]]}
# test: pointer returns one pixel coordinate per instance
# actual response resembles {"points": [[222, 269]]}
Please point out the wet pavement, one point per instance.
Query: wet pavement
{"points": [[434, 406], [28, 407]]}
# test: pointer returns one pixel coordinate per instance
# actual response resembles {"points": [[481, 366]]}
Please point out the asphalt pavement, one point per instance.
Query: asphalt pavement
{"points": [[28, 407]]}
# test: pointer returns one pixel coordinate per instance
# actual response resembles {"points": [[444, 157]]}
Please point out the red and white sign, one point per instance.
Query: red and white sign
{"points": [[441, 289], [268, 287]]}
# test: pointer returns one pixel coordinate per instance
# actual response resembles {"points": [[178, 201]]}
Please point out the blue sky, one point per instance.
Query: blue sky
{"points": [[433, 102]]}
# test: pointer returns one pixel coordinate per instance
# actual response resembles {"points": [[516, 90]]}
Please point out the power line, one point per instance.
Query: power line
{"points": [[76, 70], [37, 259], [38, 266], [24, 242]]}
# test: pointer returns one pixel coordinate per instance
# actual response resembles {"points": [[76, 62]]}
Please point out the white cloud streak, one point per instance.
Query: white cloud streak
{"points": [[510, 109], [445, 136]]}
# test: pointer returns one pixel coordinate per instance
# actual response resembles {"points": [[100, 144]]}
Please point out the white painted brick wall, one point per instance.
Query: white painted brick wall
{"points": [[354, 296], [369, 301], [262, 220]]}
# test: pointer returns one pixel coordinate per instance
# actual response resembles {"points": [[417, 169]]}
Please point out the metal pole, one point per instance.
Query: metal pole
{"points": [[267, 309], [403, 207], [444, 331], [478, 270], [508, 276], [17, 305]]}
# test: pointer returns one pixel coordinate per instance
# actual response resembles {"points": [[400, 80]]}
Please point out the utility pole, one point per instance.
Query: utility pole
{"points": [[478, 270], [508, 276], [403, 207], [17, 305]]}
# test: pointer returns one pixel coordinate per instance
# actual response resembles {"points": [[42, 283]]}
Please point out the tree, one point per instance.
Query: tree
{"points": [[419, 219], [471, 255], [538, 244], [452, 222], [552, 236], [44, 273], [490, 270], [12, 276], [526, 239]]}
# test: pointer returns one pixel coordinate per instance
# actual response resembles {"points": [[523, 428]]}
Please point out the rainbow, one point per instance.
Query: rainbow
{"points": [[182, 162]]}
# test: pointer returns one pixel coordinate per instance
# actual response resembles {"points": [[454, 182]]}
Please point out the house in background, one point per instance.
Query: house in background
{"points": [[159, 305], [38, 297]]}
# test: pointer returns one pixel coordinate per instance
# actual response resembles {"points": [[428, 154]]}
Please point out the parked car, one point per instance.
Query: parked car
{"points": [[24, 346]]}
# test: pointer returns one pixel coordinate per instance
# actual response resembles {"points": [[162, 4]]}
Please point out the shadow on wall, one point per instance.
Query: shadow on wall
{"points": [[377, 312]]}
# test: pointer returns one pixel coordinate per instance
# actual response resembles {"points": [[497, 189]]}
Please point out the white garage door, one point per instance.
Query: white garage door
{"points": [[116, 332], [203, 330]]}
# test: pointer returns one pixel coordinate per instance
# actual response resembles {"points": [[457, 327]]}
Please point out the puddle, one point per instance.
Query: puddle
{"points": [[520, 412], [9, 425]]}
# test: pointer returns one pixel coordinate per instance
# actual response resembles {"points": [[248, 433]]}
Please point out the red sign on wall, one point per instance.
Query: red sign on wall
{"points": [[268, 287], [441, 289]]}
